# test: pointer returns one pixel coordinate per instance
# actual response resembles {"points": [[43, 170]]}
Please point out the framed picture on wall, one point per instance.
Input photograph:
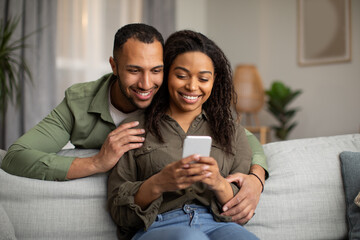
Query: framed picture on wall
{"points": [[324, 31]]}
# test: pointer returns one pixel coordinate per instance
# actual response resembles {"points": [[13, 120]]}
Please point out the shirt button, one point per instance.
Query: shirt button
{"points": [[191, 190], [193, 125], [148, 148]]}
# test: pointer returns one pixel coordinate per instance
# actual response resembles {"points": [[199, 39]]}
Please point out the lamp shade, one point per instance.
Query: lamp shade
{"points": [[249, 89]]}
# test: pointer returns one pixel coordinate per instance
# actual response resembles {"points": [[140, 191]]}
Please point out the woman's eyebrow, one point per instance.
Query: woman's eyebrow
{"points": [[182, 68], [210, 72], [186, 70]]}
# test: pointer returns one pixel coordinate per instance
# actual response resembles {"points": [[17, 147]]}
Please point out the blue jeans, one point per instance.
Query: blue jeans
{"points": [[192, 222]]}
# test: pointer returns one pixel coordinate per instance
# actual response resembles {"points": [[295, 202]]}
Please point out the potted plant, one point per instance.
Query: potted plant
{"points": [[12, 68], [279, 97]]}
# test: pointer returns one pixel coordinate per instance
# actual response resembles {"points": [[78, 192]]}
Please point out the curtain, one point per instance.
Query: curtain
{"points": [[38, 17], [72, 44], [86, 30], [161, 15]]}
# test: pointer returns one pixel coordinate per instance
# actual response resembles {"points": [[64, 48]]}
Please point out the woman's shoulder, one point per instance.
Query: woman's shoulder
{"points": [[138, 115], [239, 129], [238, 126]]}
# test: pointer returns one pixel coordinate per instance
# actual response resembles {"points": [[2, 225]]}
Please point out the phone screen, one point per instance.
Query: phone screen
{"points": [[197, 145]]}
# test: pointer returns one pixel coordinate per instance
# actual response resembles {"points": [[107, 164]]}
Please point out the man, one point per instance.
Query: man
{"points": [[90, 112]]}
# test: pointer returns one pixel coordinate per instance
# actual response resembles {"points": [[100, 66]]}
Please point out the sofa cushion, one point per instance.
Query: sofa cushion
{"points": [[350, 167], [6, 228], [7, 231], [2, 155], [304, 196], [74, 209]]}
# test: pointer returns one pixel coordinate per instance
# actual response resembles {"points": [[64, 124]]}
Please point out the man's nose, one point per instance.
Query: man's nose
{"points": [[145, 81]]}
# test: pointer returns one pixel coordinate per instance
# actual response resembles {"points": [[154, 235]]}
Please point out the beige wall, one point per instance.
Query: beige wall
{"points": [[264, 33]]}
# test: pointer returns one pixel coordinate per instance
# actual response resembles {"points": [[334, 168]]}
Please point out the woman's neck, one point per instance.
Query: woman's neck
{"points": [[184, 119]]}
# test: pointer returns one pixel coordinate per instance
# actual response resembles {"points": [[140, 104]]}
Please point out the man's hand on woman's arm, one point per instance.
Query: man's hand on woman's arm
{"points": [[242, 207]]}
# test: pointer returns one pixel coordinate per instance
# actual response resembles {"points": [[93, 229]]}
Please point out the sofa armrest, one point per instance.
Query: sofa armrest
{"points": [[75, 209]]}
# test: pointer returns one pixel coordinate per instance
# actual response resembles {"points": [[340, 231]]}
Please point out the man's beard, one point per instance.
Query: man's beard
{"points": [[124, 93]]}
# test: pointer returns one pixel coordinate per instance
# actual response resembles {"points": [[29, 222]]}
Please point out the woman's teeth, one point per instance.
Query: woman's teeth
{"points": [[190, 97]]}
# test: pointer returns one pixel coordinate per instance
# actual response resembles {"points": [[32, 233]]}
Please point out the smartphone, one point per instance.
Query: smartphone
{"points": [[197, 145]]}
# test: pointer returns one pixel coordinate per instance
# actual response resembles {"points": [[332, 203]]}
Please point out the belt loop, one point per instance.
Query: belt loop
{"points": [[159, 218]]}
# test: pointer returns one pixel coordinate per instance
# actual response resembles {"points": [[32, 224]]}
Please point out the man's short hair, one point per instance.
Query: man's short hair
{"points": [[139, 31]]}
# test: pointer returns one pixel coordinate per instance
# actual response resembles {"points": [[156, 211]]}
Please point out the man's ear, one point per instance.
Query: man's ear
{"points": [[113, 65]]}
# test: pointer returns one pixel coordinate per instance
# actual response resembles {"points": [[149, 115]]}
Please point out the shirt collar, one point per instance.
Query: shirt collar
{"points": [[202, 115], [100, 102]]}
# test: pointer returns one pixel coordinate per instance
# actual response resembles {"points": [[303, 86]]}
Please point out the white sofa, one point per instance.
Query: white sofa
{"points": [[303, 198]]}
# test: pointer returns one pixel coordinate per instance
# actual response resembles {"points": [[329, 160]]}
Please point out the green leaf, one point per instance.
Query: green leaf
{"points": [[11, 62], [278, 98]]}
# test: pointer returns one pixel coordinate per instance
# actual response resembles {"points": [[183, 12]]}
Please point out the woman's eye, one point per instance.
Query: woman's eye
{"points": [[181, 76], [204, 79]]}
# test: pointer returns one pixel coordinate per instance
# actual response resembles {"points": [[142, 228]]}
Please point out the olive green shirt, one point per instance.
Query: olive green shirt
{"points": [[137, 165], [83, 118]]}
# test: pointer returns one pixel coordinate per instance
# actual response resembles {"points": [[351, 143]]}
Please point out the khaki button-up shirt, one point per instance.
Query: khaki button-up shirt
{"points": [[138, 165]]}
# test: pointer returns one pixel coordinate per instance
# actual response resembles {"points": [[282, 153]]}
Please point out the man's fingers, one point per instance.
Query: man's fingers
{"points": [[239, 216], [124, 126], [229, 209], [126, 132], [130, 139], [244, 220], [131, 146], [126, 137]]}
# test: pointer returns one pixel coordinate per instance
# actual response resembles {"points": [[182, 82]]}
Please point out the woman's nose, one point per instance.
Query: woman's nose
{"points": [[191, 85]]}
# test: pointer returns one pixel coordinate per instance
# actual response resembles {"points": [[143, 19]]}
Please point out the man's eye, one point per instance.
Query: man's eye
{"points": [[133, 70], [157, 70]]}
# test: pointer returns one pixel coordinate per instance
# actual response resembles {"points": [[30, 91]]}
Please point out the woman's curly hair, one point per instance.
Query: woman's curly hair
{"points": [[217, 107]]}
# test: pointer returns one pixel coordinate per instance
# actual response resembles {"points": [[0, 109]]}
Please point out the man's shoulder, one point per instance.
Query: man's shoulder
{"points": [[86, 89]]}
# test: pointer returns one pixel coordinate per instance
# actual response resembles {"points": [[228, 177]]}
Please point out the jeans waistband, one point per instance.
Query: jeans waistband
{"points": [[186, 209]]}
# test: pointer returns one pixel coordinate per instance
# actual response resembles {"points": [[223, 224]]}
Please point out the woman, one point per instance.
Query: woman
{"points": [[154, 195]]}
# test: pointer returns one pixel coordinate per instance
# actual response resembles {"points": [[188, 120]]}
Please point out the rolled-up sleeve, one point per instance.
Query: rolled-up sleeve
{"points": [[122, 187], [258, 155], [33, 154]]}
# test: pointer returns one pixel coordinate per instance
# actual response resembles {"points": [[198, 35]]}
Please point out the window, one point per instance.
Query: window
{"points": [[85, 35]]}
